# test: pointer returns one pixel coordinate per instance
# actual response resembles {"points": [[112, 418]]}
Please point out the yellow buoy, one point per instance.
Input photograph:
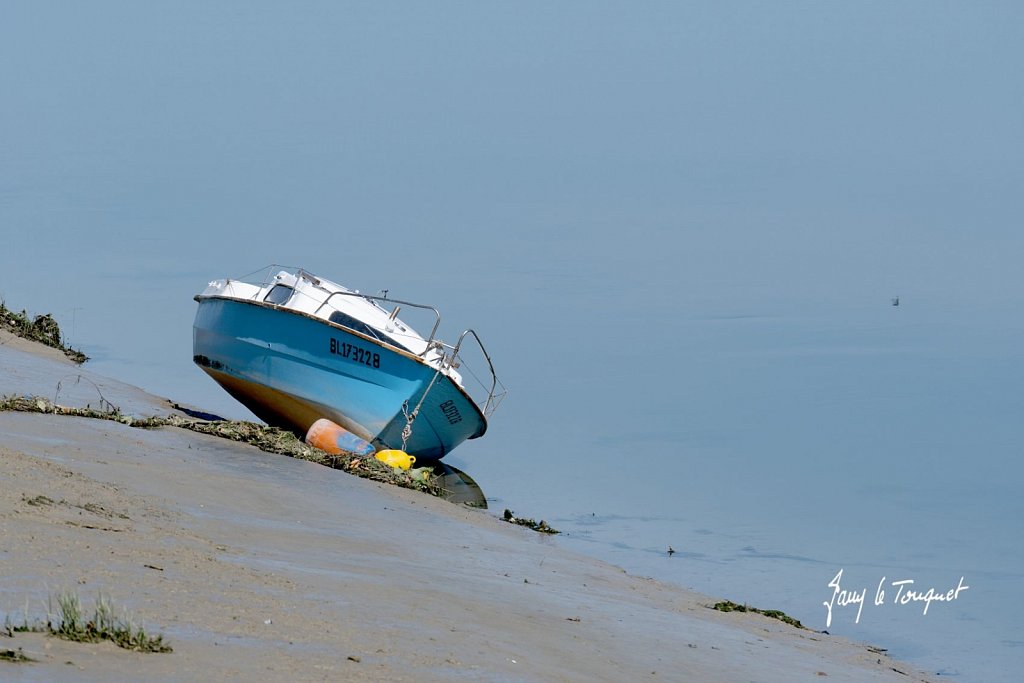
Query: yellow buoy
{"points": [[396, 458]]}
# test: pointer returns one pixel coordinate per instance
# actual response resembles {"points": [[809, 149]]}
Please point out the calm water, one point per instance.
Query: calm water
{"points": [[678, 231]]}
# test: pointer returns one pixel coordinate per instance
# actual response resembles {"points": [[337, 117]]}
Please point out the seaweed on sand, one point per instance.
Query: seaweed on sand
{"points": [[529, 523], [269, 439], [14, 656], [730, 606], [42, 328]]}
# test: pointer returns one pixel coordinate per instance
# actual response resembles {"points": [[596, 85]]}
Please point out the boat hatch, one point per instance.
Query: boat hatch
{"points": [[279, 294]]}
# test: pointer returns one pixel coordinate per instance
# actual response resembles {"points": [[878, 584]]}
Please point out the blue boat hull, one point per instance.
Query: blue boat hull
{"points": [[291, 369]]}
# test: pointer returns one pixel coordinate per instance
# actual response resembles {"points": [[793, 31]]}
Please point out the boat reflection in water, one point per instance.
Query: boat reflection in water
{"points": [[459, 487]]}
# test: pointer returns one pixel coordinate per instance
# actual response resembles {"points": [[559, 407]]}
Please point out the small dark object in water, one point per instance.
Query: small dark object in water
{"points": [[671, 552]]}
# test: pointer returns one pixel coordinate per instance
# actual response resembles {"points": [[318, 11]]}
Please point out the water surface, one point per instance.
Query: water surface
{"points": [[678, 229]]}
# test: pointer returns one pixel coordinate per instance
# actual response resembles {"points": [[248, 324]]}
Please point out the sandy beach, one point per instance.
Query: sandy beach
{"points": [[261, 567]]}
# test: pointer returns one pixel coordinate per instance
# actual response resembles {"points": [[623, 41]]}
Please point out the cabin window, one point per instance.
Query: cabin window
{"points": [[278, 294], [351, 323]]}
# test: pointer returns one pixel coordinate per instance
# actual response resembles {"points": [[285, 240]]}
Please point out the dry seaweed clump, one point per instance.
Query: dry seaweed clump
{"points": [[43, 329], [730, 606]]}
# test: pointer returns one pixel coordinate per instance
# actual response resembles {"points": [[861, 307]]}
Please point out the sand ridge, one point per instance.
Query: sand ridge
{"points": [[260, 567]]}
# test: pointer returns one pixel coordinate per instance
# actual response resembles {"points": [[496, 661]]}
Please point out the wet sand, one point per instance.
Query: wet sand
{"points": [[261, 567]]}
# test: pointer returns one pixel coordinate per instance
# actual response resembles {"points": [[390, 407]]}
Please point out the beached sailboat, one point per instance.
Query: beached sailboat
{"points": [[295, 348]]}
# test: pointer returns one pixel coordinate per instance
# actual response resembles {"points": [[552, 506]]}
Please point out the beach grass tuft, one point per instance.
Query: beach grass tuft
{"points": [[72, 623]]}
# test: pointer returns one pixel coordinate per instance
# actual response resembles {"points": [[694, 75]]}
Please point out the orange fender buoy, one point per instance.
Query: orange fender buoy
{"points": [[335, 439]]}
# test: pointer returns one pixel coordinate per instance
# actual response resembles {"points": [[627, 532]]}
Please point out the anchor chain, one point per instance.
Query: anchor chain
{"points": [[407, 429], [410, 417]]}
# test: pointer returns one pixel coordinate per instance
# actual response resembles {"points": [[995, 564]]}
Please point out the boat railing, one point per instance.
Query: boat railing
{"points": [[266, 276], [488, 393]]}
